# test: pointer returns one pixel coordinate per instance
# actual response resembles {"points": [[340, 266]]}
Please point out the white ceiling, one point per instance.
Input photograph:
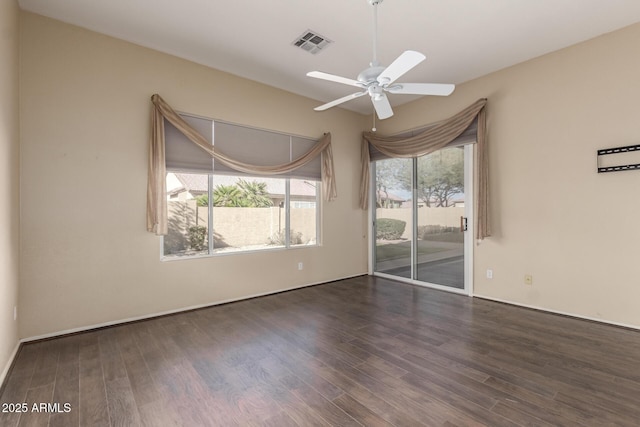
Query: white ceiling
{"points": [[462, 39]]}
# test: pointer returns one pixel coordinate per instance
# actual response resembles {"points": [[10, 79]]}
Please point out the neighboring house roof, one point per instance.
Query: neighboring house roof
{"points": [[388, 195], [275, 186], [193, 183]]}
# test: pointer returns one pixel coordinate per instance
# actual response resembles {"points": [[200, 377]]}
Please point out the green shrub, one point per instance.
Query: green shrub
{"points": [[425, 231], [440, 233], [389, 229], [197, 237]]}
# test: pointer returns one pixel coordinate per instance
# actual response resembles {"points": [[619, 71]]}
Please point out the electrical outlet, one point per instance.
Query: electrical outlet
{"points": [[528, 279], [15, 313], [300, 266], [489, 274]]}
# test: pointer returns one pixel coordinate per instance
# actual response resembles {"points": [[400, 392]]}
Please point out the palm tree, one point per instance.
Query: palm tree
{"points": [[254, 194], [203, 200], [227, 196]]}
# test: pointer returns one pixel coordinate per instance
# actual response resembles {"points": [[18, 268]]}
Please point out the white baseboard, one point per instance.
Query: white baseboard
{"points": [[563, 313], [178, 310], [5, 371]]}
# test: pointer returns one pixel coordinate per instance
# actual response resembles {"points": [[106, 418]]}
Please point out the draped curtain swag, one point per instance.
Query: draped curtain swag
{"points": [[432, 139], [156, 187]]}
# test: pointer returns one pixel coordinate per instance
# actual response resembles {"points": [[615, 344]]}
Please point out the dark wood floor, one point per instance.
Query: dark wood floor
{"points": [[362, 351]]}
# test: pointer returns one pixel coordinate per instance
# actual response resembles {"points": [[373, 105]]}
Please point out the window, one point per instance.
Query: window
{"points": [[213, 209]]}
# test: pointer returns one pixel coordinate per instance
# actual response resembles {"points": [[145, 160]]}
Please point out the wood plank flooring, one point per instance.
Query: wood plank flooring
{"points": [[359, 352]]}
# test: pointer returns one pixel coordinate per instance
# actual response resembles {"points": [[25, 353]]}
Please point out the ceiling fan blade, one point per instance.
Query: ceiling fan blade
{"points": [[401, 65], [382, 106], [332, 78], [340, 101], [422, 89]]}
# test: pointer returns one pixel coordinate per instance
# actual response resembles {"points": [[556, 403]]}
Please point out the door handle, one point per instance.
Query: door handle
{"points": [[463, 224]]}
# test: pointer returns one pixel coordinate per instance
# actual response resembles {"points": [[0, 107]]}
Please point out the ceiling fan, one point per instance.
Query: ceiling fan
{"points": [[377, 79]]}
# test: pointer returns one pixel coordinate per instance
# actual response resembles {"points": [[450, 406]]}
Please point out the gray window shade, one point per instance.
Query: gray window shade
{"points": [[253, 146], [466, 137], [245, 144], [312, 170], [182, 155]]}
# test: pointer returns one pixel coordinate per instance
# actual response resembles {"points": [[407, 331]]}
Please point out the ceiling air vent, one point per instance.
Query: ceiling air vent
{"points": [[311, 41]]}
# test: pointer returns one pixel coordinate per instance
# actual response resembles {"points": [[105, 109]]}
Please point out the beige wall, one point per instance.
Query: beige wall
{"points": [[577, 232], [9, 179], [85, 114]]}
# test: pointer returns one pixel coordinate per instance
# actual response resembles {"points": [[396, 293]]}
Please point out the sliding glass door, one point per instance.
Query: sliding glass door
{"points": [[394, 218], [420, 218], [440, 220]]}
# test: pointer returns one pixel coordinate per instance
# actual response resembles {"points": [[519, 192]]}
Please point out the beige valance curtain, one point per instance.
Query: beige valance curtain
{"points": [[431, 139], [156, 187]]}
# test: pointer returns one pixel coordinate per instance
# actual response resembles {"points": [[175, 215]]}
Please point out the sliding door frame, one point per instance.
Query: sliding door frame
{"points": [[469, 241]]}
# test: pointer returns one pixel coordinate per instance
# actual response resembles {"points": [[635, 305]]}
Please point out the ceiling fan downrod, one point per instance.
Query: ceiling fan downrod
{"points": [[374, 61]]}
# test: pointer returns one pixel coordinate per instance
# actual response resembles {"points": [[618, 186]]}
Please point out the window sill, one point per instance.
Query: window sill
{"points": [[172, 258]]}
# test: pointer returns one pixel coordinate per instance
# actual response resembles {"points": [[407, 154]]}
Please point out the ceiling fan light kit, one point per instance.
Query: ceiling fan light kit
{"points": [[377, 79]]}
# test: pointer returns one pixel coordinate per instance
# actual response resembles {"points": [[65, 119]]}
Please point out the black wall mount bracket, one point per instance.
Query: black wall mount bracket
{"points": [[618, 150]]}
